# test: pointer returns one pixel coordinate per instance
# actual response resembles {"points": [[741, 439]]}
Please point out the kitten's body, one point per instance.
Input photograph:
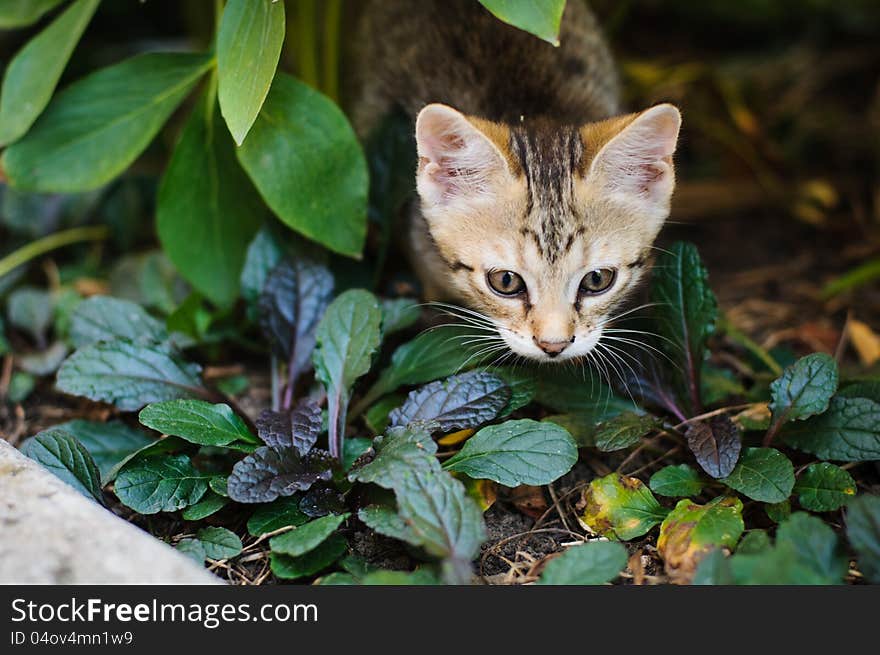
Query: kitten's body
{"points": [[510, 180]]}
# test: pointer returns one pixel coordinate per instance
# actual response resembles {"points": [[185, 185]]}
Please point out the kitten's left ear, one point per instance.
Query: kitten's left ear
{"points": [[638, 160]]}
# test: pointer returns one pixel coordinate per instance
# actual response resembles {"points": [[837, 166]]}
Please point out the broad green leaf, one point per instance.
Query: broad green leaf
{"points": [[192, 548], [103, 318], [160, 483], [33, 73], [623, 431], [108, 443], [538, 17], [691, 531], [313, 562], [754, 542], [197, 421], [824, 487], [403, 450], [207, 209], [621, 508], [21, 13], [60, 452], [680, 480], [155, 447], [815, 545], [30, 309], [849, 431], [716, 444], [352, 449], [347, 336], [304, 538], [386, 521], [763, 474], [863, 532], [211, 503], [96, 127], [592, 563], [219, 543], [276, 515], [21, 385], [127, 374], [778, 512], [263, 254], [516, 452], [218, 484], [804, 389], [779, 565], [686, 313], [248, 47], [307, 164]]}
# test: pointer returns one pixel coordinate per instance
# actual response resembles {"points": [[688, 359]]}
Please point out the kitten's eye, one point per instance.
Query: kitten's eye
{"points": [[506, 283], [598, 281]]}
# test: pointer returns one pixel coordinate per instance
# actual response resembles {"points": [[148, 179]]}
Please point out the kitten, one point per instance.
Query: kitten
{"points": [[538, 204]]}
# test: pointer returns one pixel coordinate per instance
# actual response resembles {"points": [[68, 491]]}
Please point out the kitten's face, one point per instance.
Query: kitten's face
{"points": [[546, 231]]}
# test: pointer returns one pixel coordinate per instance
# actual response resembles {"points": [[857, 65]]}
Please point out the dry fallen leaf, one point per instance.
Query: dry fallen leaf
{"points": [[865, 341]]}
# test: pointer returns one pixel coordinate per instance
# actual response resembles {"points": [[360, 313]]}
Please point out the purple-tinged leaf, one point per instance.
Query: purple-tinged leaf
{"points": [[321, 501], [266, 474], [716, 444], [297, 428]]}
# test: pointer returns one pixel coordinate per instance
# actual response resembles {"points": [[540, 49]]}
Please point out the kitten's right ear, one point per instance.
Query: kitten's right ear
{"points": [[457, 161]]}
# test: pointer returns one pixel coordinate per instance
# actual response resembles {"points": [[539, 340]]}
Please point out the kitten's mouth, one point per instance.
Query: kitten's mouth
{"points": [[580, 346]]}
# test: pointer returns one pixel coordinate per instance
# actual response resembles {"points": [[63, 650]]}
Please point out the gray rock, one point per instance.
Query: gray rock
{"points": [[51, 534]]}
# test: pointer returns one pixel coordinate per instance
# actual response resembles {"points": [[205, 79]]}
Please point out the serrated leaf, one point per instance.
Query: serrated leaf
{"points": [[623, 431], [33, 73], [67, 459], [621, 508], [763, 474], [127, 374], [863, 532], [197, 421], [219, 543], [680, 480], [592, 563], [804, 389], [296, 429], [295, 297], [347, 336], [824, 487], [299, 141], [516, 452], [266, 474], [399, 314], [207, 210], [276, 515], [108, 443], [160, 483], [691, 531], [459, 402], [304, 538], [69, 149], [312, 563], [103, 318], [686, 312], [386, 521], [815, 546], [211, 503], [541, 18], [716, 444], [248, 47], [849, 431]]}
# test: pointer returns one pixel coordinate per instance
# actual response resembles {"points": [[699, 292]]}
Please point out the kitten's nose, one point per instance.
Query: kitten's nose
{"points": [[553, 348]]}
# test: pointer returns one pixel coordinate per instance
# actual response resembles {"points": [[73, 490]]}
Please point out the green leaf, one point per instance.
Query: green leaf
{"points": [[263, 254], [568, 390], [516, 452], [33, 73], [623, 431], [197, 421], [538, 17], [804, 389], [21, 385], [219, 543], [278, 514], [307, 164], [713, 569], [863, 532], [248, 47], [192, 548], [754, 542], [211, 503], [401, 451], [399, 314], [863, 389], [691, 531], [778, 512], [763, 474], [377, 417], [128, 375], [779, 565], [686, 313], [156, 447], [386, 521], [352, 449], [680, 480], [67, 459], [849, 431], [207, 209], [30, 310], [304, 538], [824, 487], [313, 562], [103, 318], [621, 508], [815, 546], [108, 443], [21, 13], [419, 577], [96, 127], [592, 563], [347, 336], [160, 483]]}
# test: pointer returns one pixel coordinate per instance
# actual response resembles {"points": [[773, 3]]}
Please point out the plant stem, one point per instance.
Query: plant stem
{"points": [[273, 372], [330, 48], [51, 242], [306, 45]]}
